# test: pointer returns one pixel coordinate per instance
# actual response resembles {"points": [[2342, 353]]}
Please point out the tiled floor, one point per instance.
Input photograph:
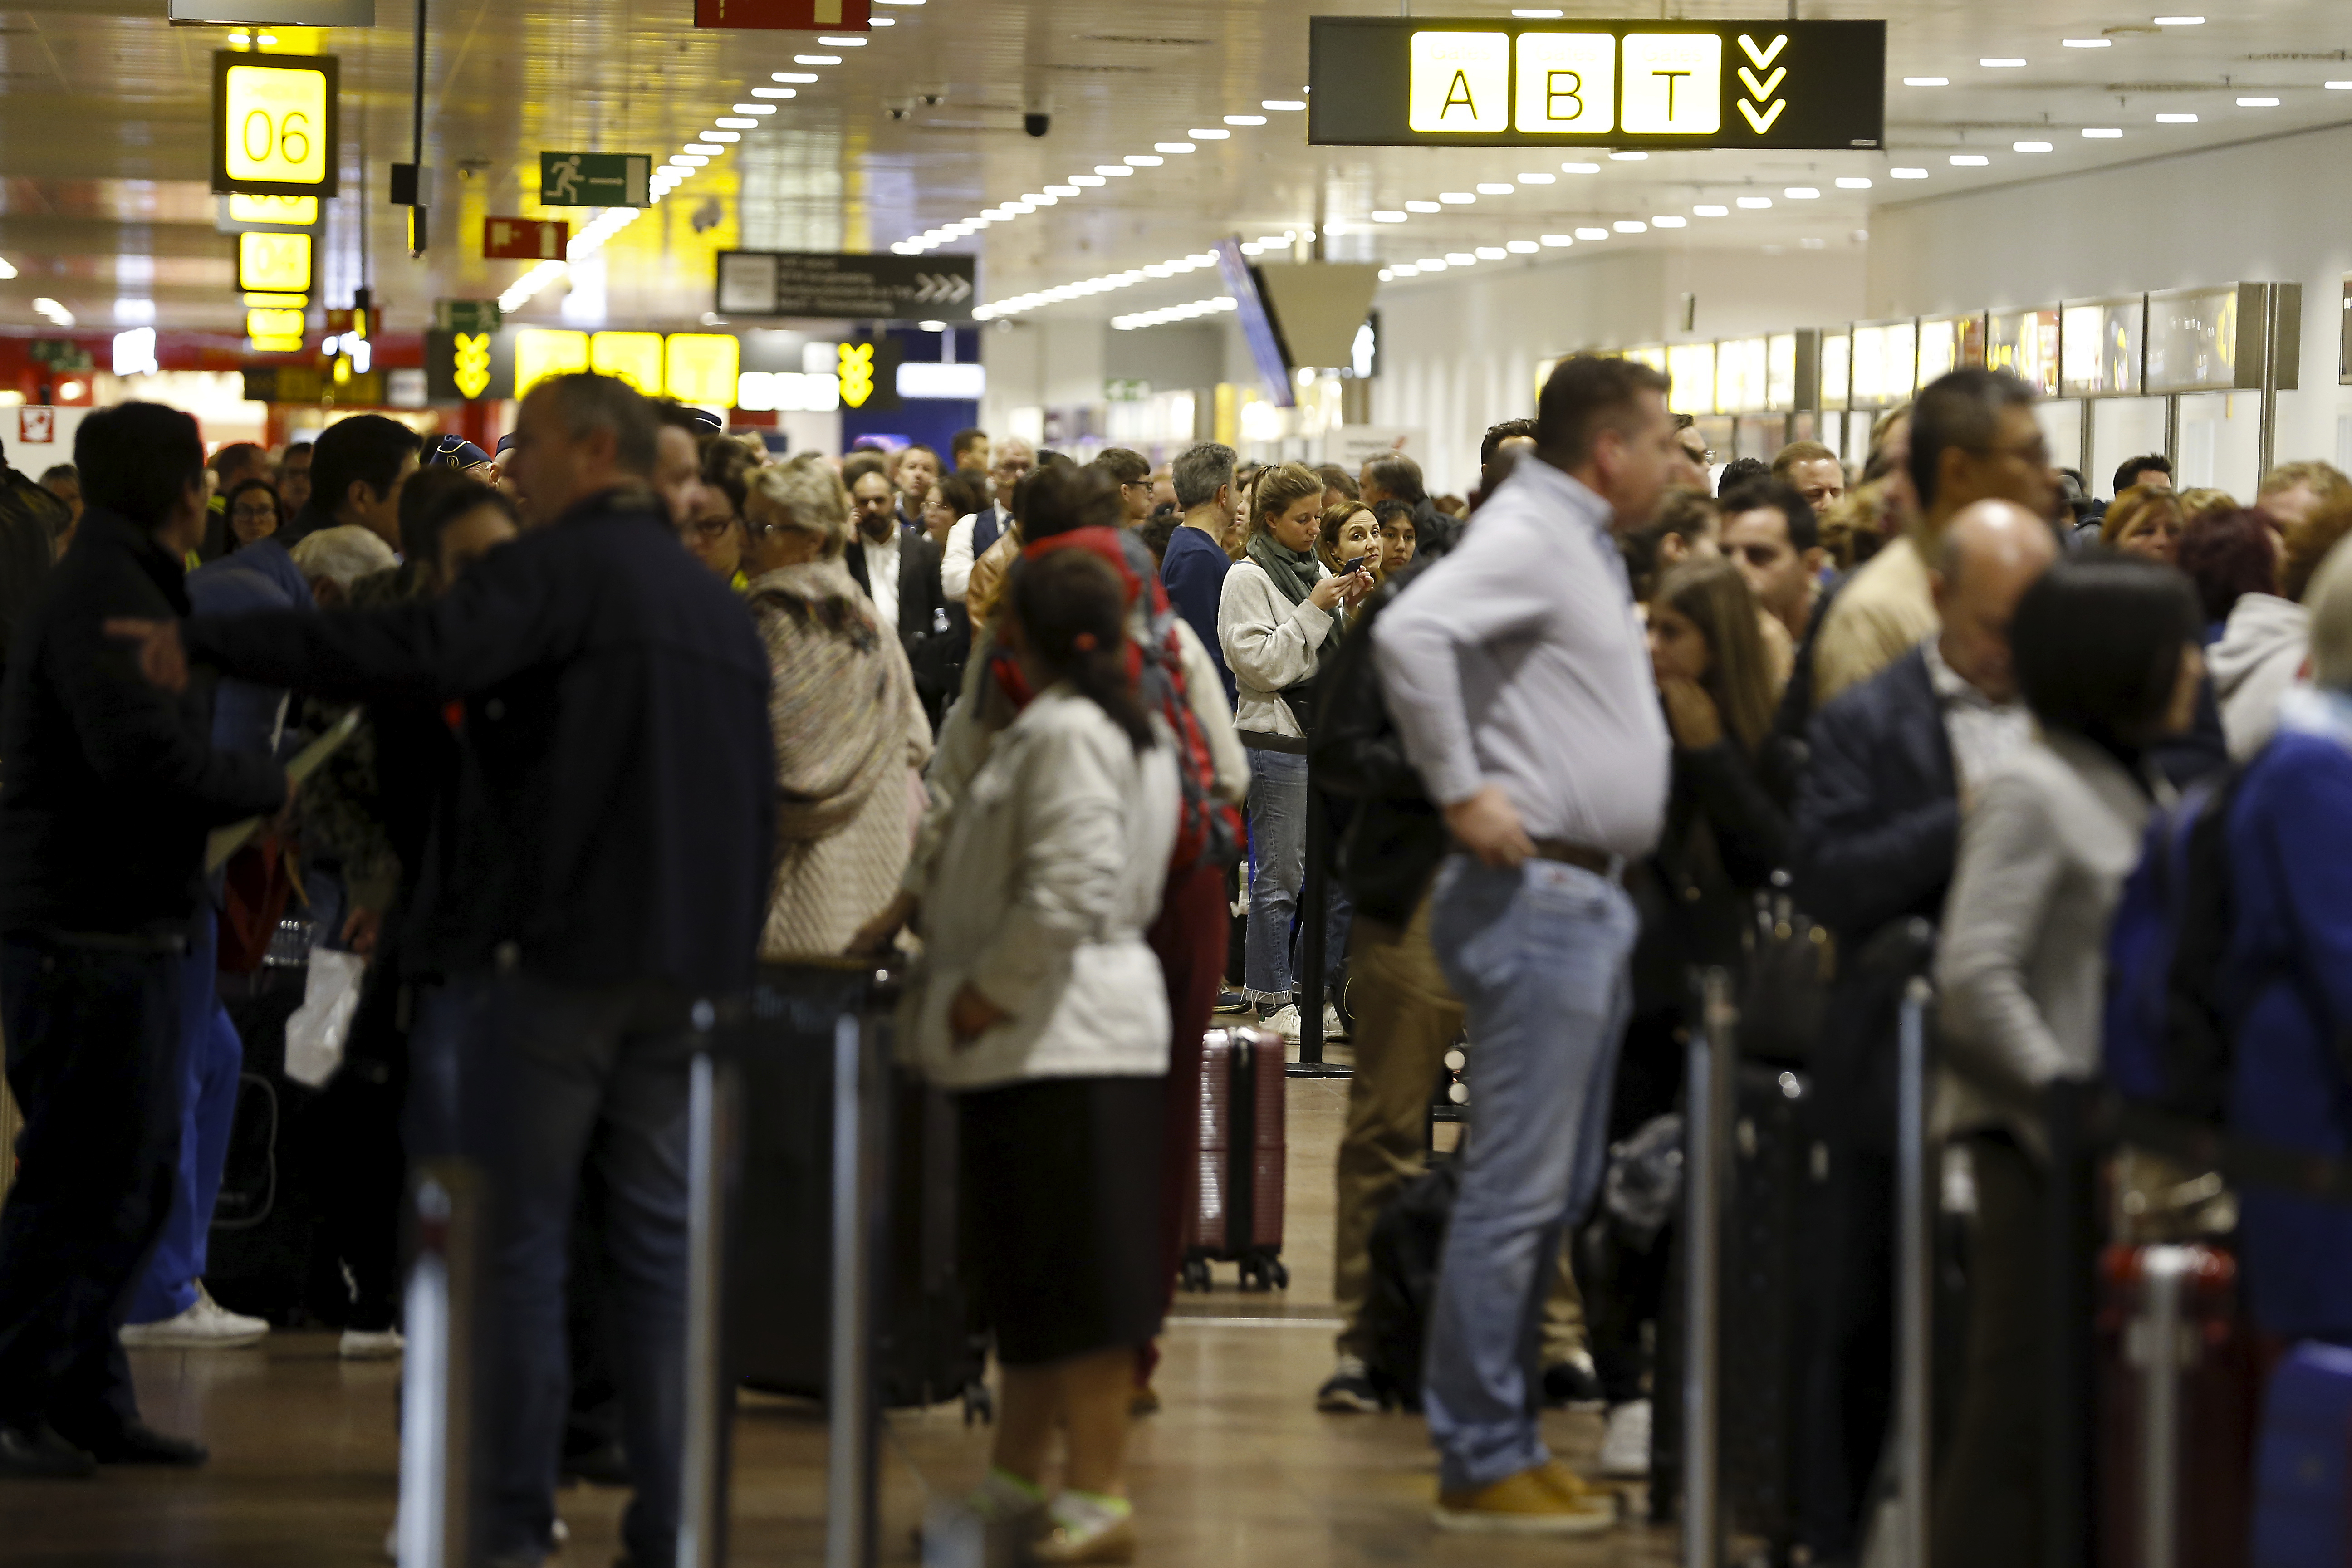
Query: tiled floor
{"points": [[1236, 1470]]}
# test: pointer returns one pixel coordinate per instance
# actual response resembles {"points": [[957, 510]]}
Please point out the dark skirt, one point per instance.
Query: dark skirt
{"points": [[1061, 1198]]}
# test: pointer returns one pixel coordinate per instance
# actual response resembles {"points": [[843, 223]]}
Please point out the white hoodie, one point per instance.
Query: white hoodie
{"points": [[2258, 658]]}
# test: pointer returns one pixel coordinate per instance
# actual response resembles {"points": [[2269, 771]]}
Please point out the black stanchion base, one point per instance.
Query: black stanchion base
{"points": [[1318, 1069]]}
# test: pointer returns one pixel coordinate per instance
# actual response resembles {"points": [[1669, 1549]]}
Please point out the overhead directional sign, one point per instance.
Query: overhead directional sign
{"points": [[595, 179], [275, 263], [1473, 81], [268, 214], [524, 238], [276, 123], [844, 286], [466, 315], [833, 16]]}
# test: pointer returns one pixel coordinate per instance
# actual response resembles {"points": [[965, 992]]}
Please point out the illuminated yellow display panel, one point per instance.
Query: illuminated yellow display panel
{"points": [[1461, 83], [701, 368], [543, 352], [274, 263], [635, 357], [273, 323], [274, 124], [1567, 82], [294, 212]]}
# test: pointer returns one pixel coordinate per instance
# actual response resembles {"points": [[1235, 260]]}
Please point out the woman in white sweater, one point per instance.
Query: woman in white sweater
{"points": [[1038, 1000], [1278, 613], [2107, 651]]}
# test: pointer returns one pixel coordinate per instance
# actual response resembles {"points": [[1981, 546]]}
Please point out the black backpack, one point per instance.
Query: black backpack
{"points": [[1407, 1245]]}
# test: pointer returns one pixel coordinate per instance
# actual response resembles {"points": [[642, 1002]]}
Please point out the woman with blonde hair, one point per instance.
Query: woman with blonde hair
{"points": [[851, 736], [2147, 521], [1277, 614]]}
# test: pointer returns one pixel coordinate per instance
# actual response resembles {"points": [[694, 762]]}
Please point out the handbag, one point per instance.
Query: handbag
{"points": [[256, 884], [1785, 992]]}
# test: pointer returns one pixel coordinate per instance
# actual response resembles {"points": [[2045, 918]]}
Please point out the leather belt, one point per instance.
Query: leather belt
{"points": [[1599, 862]]}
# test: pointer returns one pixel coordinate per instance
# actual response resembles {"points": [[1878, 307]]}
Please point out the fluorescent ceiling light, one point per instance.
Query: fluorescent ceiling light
{"points": [[2179, 21], [1245, 118], [817, 60], [1579, 168], [2001, 64], [1172, 147], [2258, 103], [1460, 258], [1112, 169], [775, 92], [1388, 218], [1711, 209], [1423, 208], [722, 136], [1908, 173], [1592, 234], [2190, 118], [792, 76], [1070, 190], [1144, 159], [1853, 183], [2088, 43], [1628, 157], [1456, 198], [1282, 105], [2336, 86], [882, 21], [2102, 132], [1927, 81], [1970, 160], [757, 108], [1538, 16], [843, 43], [1198, 134], [1491, 253], [1537, 179], [1755, 204], [1670, 221], [1490, 188], [739, 121], [2029, 147], [1802, 193], [1086, 179], [1557, 241], [1521, 247]]}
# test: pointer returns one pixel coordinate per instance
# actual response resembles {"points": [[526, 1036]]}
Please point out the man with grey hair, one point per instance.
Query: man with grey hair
{"points": [[1194, 565], [971, 537], [603, 874]]}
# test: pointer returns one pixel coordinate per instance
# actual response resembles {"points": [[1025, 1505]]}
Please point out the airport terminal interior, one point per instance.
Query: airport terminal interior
{"points": [[691, 805]]}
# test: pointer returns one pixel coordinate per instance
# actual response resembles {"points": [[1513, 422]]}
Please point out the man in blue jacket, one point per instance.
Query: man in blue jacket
{"points": [[1878, 829], [1194, 566], [111, 788], [609, 874]]}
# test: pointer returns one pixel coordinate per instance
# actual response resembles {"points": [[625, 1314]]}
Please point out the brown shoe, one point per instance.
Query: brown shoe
{"points": [[1545, 1499], [1144, 1400], [1114, 1542]]}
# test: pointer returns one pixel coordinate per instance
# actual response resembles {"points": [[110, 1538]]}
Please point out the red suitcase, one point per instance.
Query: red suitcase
{"points": [[1234, 1213], [2178, 1387]]}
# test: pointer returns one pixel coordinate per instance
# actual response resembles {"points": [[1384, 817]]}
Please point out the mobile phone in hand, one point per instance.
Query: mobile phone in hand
{"points": [[1355, 565]]}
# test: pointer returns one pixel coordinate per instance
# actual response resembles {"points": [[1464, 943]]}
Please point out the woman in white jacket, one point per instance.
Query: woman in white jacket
{"points": [[1277, 616], [1038, 1000]]}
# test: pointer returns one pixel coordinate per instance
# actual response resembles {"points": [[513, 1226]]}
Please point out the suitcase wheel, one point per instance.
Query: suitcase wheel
{"points": [[979, 1404], [1195, 1276], [1265, 1273], [1278, 1273]]}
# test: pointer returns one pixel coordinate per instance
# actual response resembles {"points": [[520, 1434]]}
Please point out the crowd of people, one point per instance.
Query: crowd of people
{"points": [[639, 706]]}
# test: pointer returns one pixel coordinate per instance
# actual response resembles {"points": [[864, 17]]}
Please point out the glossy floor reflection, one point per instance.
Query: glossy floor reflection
{"points": [[1236, 1469]]}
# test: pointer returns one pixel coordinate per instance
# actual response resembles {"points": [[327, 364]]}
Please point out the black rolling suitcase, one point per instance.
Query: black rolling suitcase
{"points": [[1770, 1156], [927, 1349]]}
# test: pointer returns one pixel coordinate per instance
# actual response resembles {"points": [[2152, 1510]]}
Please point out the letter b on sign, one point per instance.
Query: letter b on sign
{"points": [[1461, 83], [1568, 83]]}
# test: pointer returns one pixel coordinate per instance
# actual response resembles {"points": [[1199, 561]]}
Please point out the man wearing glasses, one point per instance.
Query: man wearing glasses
{"points": [[1973, 438], [1132, 474], [969, 540]]}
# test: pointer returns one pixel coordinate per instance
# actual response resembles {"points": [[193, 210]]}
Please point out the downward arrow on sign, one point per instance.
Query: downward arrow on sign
{"points": [[1763, 57], [1760, 90], [1762, 122]]}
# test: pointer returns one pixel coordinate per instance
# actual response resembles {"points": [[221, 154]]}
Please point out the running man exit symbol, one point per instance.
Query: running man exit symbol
{"points": [[1760, 114]]}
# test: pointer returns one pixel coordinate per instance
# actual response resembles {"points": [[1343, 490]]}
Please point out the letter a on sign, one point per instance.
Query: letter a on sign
{"points": [[1461, 83]]}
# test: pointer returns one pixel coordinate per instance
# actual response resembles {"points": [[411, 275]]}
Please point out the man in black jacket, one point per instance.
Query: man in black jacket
{"points": [[112, 787], [613, 843], [898, 567], [1878, 826]]}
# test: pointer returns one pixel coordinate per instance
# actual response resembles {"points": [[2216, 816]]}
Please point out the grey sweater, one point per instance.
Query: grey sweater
{"points": [[2022, 966]]}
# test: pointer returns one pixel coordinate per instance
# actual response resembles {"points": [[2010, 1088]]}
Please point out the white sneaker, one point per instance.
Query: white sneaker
{"points": [[1334, 1028], [371, 1345], [1283, 1021], [1625, 1444], [205, 1325]]}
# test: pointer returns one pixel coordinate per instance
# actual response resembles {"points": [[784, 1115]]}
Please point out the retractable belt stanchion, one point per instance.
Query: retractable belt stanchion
{"points": [[1917, 1192], [712, 1151], [1314, 897], [2069, 1379], [1706, 1187], [436, 1519], [860, 1130]]}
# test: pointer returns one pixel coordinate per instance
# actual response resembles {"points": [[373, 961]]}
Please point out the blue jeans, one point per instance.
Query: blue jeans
{"points": [[211, 1059], [1277, 826], [549, 1078], [1539, 956]]}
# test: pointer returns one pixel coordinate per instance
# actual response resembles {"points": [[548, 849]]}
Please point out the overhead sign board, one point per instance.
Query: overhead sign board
{"points": [[472, 367], [846, 287], [803, 16], [276, 12], [525, 239], [1388, 81], [275, 123], [275, 263], [595, 179], [469, 367], [269, 215], [466, 315]]}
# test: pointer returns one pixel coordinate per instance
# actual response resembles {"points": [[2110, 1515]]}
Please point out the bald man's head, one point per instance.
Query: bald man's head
{"points": [[1992, 553]]}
